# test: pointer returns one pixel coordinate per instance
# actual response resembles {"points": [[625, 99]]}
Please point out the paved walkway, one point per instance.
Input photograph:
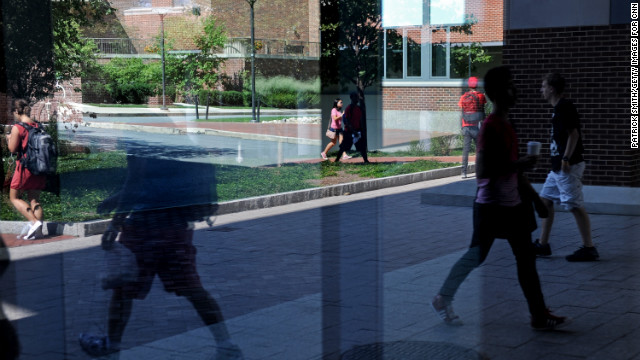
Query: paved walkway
{"points": [[134, 119], [348, 274]]}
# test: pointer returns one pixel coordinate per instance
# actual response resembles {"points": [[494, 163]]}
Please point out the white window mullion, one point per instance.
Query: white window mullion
{"points": [[404, 53]]}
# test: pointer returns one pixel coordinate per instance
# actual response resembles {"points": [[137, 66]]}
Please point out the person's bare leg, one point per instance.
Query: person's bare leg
{"points": [[34, 199], [547, 223], [22, 206], [584, 225], [331, 144]]}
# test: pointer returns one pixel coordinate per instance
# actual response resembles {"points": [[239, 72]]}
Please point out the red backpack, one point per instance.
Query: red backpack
{"points": [[471, 101]]}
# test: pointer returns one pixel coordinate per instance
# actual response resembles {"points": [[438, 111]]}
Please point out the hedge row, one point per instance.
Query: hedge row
{"points": [[282, 100]]}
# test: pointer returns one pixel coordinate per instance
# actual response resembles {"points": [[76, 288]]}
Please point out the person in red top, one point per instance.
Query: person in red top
{"points": [[22, 180], [472, 104]]}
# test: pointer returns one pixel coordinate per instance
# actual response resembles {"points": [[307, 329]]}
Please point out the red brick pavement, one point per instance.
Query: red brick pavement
{"points": [[11, 241], [390, 137]]}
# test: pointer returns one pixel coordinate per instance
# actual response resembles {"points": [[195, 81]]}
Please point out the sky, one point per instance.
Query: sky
{"points": [[411, 12]]}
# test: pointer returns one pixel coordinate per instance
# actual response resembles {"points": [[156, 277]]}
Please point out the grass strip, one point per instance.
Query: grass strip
{"points": [[87, 179]]}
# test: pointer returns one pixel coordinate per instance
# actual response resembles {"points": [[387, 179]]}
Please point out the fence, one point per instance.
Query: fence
{"points": [[235, 47]]}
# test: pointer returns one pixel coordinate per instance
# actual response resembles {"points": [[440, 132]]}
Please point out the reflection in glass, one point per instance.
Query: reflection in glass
{"points": [[439, 59], [460, 61], [414, 53], [393, 54]]}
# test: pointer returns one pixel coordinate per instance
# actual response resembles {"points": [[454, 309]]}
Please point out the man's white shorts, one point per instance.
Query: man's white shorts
{"points": [[565, 188]]}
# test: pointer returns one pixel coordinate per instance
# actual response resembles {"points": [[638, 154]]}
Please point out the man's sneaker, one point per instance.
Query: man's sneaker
{"points": [[584, 254], [96, 345], [228, 351], [445, 311], [541, 249], [35, 227], [24, 231], [549, 322]]}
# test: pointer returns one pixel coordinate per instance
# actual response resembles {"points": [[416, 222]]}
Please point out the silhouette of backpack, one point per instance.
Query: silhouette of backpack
{"points": [[472, 101], [40, 156]]}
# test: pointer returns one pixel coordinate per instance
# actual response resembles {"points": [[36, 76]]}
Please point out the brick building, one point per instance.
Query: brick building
{"points": [[422, 81], [591, 47], [286, 31]]}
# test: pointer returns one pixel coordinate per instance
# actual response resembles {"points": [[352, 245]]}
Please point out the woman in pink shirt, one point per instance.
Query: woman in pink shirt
{"points": [[336, 126]]}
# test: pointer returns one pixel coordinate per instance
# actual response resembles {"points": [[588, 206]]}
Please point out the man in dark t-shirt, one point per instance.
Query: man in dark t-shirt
{"points": [[564, 182]]}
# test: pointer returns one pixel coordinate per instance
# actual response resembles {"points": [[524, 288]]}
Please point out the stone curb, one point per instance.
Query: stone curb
{"points": [[601, 200], [95, 227]]}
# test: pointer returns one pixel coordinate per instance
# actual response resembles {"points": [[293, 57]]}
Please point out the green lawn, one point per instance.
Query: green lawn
{"points": [[87, 179]]}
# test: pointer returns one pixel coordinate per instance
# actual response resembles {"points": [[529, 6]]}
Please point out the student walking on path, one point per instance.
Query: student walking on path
{"points": [[498, 211], [472, 105], [353, 134], [564, 182], [23, 181], [336, 127]]}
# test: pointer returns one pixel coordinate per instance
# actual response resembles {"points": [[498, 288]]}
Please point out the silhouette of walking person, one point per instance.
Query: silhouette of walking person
{"points": [[353, 135], [498, 210], [154, 213]]}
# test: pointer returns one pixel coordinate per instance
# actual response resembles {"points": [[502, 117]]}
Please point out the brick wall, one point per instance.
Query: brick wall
{"points": [[489, 14], [274, 19], [594, 60], [422, 98]]}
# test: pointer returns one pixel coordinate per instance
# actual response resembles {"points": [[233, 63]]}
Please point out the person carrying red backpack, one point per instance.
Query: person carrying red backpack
{"points": [[472, 104]]}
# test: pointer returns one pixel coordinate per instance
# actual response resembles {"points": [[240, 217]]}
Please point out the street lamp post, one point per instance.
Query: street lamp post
{"points": [[162, 12], [253, 64]]}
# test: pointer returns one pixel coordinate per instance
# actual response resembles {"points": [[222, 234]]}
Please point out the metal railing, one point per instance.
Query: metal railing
{"points": [[118, 46], [272, 47], [235, 47]]}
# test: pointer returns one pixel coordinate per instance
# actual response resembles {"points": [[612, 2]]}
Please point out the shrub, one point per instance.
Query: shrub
{"points": [[289, 93], [131, 81], [221, 98], [441, 145], [417, 148]]}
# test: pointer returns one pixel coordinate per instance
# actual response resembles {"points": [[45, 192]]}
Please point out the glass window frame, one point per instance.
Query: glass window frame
{"points": [[426, 65]]}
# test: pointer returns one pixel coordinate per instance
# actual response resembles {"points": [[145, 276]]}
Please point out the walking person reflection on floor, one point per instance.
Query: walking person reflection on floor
{"points": [[155, 211], [498, 211]]}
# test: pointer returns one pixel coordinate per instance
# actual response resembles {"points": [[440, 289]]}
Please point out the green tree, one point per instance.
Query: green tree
{"points": [[73, 54], [196, 70], [465, 59], [351, 41], [27, 62], [43, 43]]}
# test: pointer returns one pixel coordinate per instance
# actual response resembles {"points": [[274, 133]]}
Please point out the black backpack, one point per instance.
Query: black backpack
{"points": [[472, 117], [40, 156]]}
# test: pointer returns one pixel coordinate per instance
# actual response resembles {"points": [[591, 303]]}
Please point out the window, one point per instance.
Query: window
{"points": [[393, 51], [414, 53], [429, 49]]}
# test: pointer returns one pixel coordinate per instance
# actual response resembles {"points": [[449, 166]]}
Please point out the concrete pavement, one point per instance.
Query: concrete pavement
{"points": [[347, 274]]}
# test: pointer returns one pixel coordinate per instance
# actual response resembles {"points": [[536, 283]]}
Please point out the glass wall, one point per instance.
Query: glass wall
{"points": [[440, 41]]}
